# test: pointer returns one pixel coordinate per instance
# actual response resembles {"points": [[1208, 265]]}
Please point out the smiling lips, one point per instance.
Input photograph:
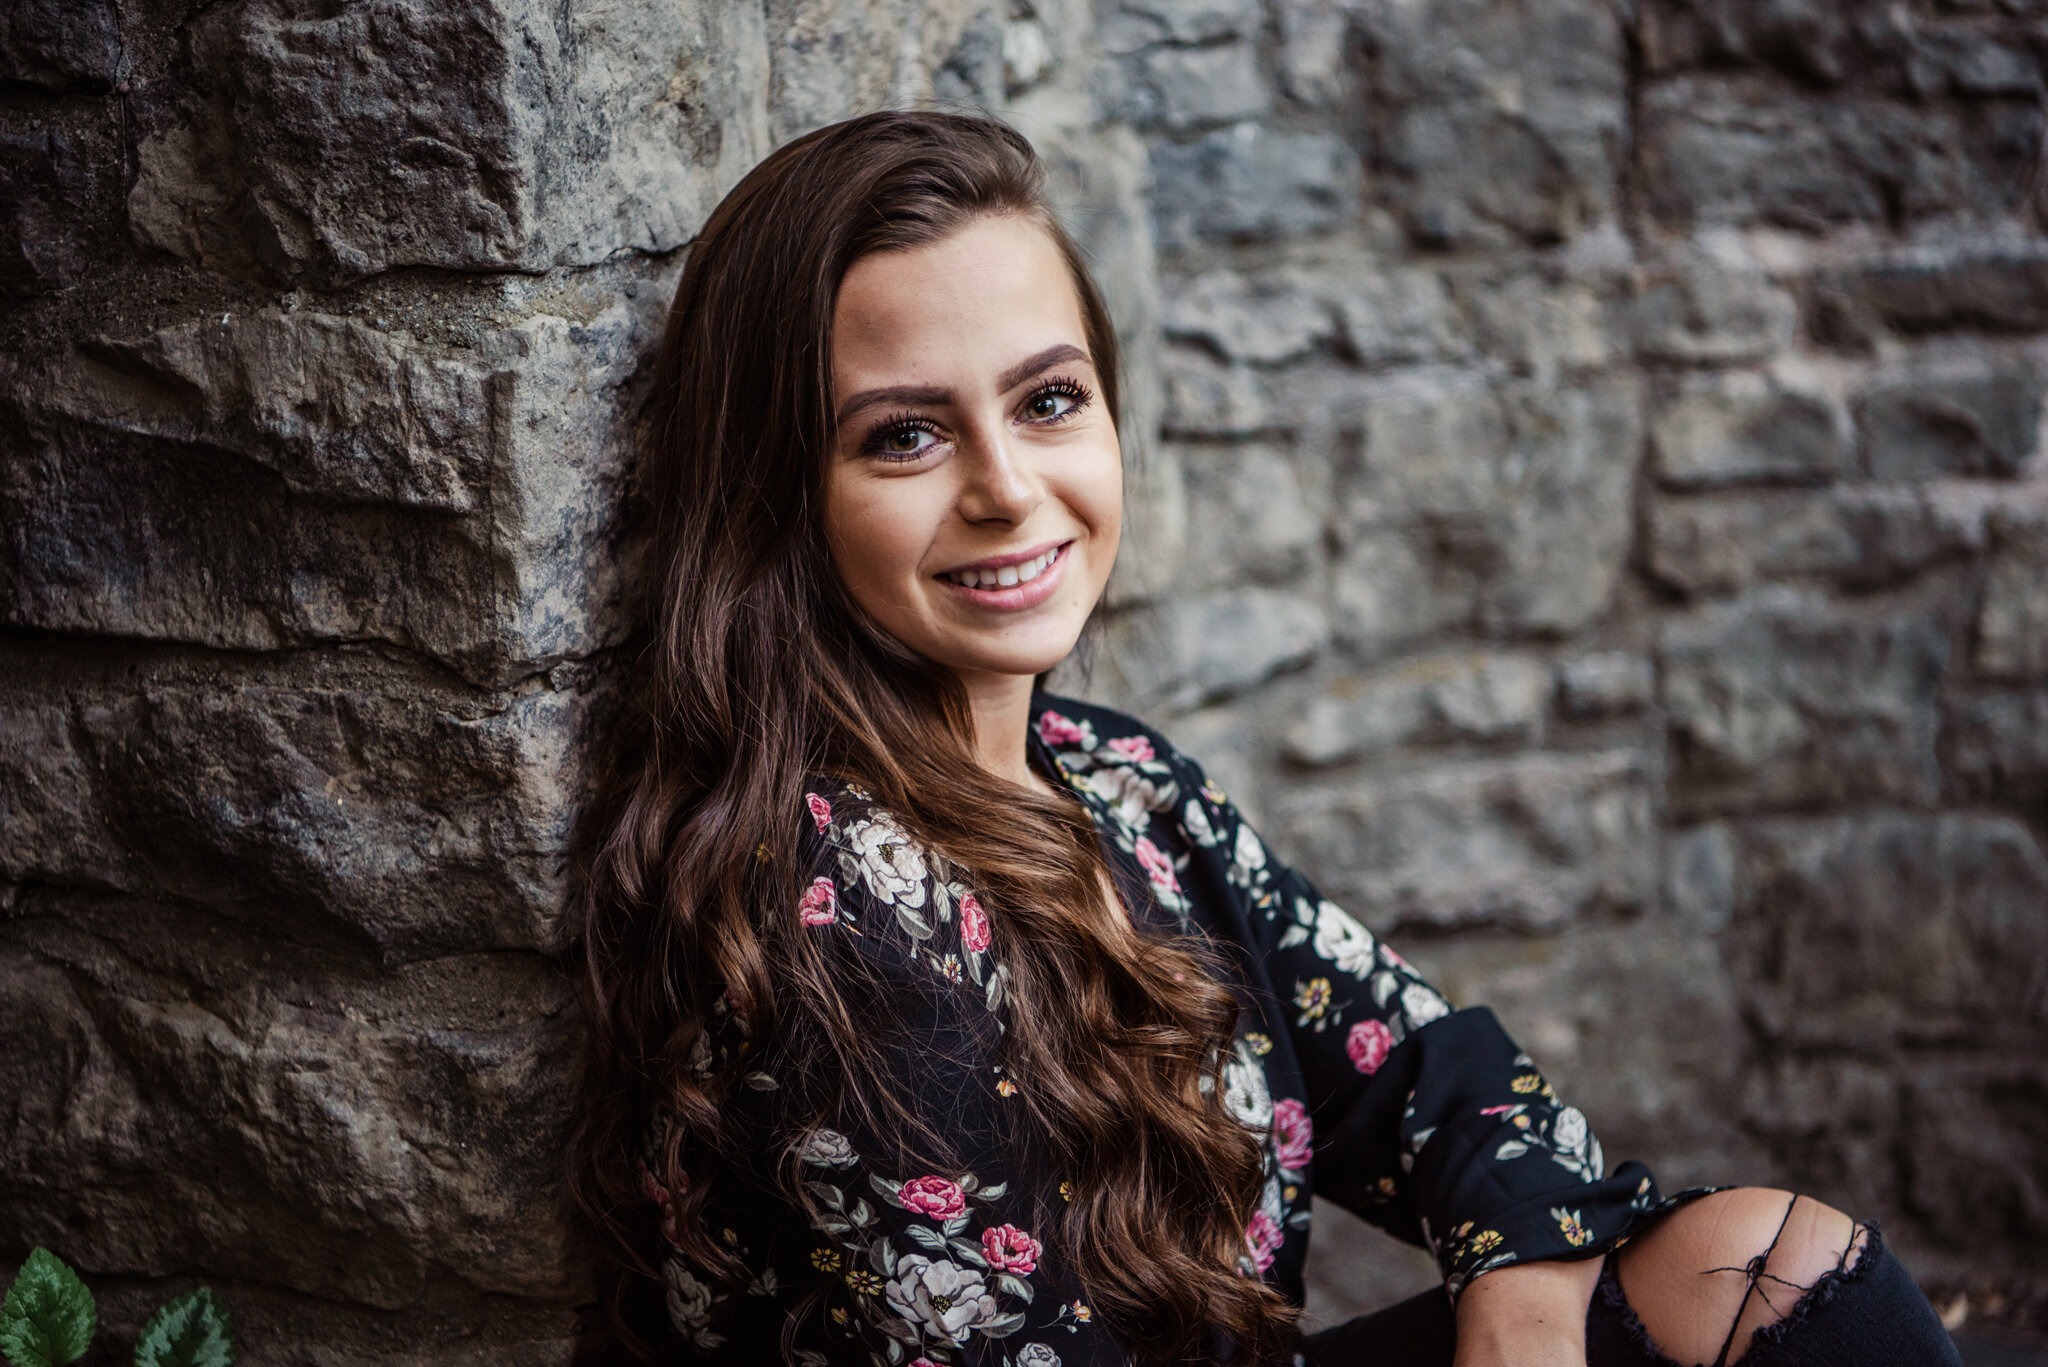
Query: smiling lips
{"points": [[1012, 586]]}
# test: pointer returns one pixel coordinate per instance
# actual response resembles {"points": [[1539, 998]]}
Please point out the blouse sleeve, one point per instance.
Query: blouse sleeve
{"points": [[1429, 1122], [892, 1261]]}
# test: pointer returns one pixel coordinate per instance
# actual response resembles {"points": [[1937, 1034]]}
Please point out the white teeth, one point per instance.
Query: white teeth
{"points": [[1007, 577]]}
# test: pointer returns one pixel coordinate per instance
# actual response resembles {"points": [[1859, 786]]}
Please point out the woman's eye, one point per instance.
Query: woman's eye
{"points": [[1050, 404], [904, 441]]}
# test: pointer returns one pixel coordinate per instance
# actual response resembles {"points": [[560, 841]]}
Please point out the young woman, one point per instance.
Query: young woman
{"points": [[935, 1019]]}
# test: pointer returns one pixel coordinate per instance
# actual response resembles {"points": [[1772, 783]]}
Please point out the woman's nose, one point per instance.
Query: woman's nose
{"points": [[999, 487]]}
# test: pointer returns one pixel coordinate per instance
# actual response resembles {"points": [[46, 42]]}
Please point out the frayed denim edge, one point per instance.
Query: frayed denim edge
{"points": [[1820, 1293]]}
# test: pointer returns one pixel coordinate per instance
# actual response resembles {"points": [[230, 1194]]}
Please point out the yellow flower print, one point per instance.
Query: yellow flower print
{"points": [[1484, 1242], [864, 1281], [839, 1316], [1066, 1191], [1575, 1234], [1313, 997], [1262, 1045], [1082, 1313], [827, 1259], [1006, 1088], [1526, 1083]]}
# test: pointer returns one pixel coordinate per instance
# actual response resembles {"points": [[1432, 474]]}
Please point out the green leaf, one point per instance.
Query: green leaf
{"points": [[192, 1331], [48, 1317]]}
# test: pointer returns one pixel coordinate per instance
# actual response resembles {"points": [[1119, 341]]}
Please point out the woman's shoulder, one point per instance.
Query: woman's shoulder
{"points": [[1092, 732]]}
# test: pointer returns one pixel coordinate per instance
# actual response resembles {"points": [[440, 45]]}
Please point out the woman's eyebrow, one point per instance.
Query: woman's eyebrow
{"points": [[905, 394]]}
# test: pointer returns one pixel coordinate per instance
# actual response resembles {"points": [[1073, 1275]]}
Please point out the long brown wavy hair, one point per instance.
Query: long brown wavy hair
{"points": [[758, 671]]}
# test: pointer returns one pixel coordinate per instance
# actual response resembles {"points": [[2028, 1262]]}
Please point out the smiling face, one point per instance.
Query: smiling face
{"points": [[975, 486]]}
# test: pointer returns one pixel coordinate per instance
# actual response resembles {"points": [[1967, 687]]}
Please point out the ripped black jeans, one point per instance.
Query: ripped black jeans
{"points": [[1869, 1315]]}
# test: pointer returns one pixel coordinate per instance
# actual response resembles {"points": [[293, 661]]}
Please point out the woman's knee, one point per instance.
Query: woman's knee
{"points": [[1713, 1272]]}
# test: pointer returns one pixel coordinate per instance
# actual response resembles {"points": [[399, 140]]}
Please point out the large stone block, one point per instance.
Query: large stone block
{"points": [[1195, 87], [383, 809], [186, 1098], [1996, 286], [1859, 537], [832, 59], [1471, 697], [61, 44], [1996, 745], [1743, 427], [45, 189], [1374, 317], [277, 478], [1975, 1152], [1699, 313], [1205, 648], [1249, 517], [2012, 625], [1726, 150], [1500, 507], [1496, 123], [1127, 25], [1777, 701], [1888, 928], [1247, 183], [349, 139], [1960, 416], [1529, 842]]}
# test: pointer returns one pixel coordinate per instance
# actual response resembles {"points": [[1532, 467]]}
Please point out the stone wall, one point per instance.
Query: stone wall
{"points": [[1589, 510]]}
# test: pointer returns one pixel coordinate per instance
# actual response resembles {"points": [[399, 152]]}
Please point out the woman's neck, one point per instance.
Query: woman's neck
{"points": [[1001, 707]]}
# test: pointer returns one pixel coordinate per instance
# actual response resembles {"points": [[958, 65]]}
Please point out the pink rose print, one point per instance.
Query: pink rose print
{"points": [[821, 810], [1158, 867], [1054, 729], [1369, 1044], [1291, 1127], [1262, 1236], [973, 924], [923, 1362], [1010, 1249], [1136, 749], [658, 1194], [820, 906], [933, 1196]]}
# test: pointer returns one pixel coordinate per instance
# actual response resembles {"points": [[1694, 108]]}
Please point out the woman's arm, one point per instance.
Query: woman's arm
{"points": [[1529, 1315]]}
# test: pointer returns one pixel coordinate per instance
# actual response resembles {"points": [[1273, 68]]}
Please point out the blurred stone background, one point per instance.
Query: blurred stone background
{"points": [[1588, 507]]}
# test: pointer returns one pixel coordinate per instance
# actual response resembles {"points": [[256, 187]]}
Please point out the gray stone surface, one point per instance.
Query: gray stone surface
{"points": [[1585, 503]]}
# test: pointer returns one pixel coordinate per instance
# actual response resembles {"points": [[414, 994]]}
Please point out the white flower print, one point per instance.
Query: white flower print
{"points": [[828, 1149], [1343, 941], [1421, 1005], [689, 1300], [1133, 795], [891, 863], [1569, 1131], [1037, 1355], [1248, 857], [1245, 1094], [945, 1298], [1196, 822]]}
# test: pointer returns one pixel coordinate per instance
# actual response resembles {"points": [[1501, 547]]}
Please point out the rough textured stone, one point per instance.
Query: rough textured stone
{"points": [[1722, 543], [1244, 183], [1696, 312], [1432, 699], [1777, 701], [1732, 150], [43, 191], [1956, 419], [1500, 508], [833, 59], [1608, 684], [1998, 286], [1376, 318], [1826, 905], [385, 811], [1194, 87], [60, 44], [1744, 428], [2012, 627], [1996, 746], [1496, 122], [1532, 841], [376, 1131], [1249, 518], [472, 136], [1215, 646], [284, 477]]}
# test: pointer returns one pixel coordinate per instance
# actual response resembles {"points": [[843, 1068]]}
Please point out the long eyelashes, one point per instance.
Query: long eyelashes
{"points": [[886, 439]]}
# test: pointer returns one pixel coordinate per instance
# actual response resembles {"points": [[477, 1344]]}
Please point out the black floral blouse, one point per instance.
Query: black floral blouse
{"points": [[1368, 1087]]}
